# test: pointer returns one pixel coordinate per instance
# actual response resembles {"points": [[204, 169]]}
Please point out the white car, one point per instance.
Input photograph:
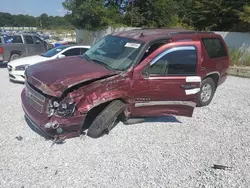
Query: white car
{"points": [[17, 67]]}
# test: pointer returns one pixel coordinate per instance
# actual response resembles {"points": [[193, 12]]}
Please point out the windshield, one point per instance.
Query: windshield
{"points": [[114, 52], [54, 51]]}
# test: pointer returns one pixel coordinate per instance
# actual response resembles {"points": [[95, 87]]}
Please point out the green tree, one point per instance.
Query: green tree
{"points": [[245, 14], [24, 20], [6, 20], [151, 13], [90, 14], [45, 21], [211, 14]]}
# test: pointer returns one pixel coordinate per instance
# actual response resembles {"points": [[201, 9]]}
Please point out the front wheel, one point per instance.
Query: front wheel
{"points": [[206, 93], [107, 119]]}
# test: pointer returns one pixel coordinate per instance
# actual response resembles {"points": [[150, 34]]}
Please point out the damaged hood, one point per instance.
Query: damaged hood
{"points": [[55, 76]]}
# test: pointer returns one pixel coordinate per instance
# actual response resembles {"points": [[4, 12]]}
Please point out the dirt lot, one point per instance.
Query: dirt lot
{"points": [[164, 152]]}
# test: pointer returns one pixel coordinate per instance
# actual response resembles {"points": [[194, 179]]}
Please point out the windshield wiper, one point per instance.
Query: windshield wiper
{"points": [[86, 57], [102, 63], [99, 62]]}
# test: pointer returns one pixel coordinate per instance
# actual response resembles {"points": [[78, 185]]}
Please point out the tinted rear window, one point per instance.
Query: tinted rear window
{"points": [[214, 47], [14, 39]]}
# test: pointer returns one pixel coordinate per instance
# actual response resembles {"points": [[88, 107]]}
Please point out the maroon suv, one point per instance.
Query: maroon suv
{"points": [[126, 77]]}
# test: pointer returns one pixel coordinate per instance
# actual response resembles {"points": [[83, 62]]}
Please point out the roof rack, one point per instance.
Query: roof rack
{"points": [[190, 32], [181, 31]]}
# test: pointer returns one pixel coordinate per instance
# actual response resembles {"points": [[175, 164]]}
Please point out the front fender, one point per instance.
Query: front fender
{"points": [[95, 99]]}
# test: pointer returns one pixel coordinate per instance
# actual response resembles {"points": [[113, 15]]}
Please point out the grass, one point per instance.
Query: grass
{"points": [[239, 57]]}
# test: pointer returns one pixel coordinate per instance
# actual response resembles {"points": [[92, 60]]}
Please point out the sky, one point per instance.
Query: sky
{"points": [[33, 7]]}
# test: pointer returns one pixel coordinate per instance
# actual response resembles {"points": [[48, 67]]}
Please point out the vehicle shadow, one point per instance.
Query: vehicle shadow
{"points": [[162, 119]]}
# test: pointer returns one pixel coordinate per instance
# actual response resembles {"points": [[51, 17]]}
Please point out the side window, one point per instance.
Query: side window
{"points": [[175, 62], [83, 50], [28, 39], [72, 52], [37, 40], [15, 39], [214, 47]]}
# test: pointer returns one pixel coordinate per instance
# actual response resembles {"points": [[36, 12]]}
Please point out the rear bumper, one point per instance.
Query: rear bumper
{"points": [[222, 79], [72, 127]]}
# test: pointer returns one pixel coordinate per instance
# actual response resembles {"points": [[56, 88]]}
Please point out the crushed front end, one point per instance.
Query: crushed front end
{"points": [[52, 118]]}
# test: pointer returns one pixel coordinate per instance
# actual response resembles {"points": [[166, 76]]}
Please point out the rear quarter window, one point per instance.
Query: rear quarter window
{"points": [[215, 48]]}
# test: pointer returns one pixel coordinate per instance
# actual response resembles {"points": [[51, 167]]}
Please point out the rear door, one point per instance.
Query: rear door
{"points": [[170, 81]]}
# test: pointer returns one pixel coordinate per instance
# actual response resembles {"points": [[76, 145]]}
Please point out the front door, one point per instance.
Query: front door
{"points": [[170, 81], [39, 45], [30, 46]]}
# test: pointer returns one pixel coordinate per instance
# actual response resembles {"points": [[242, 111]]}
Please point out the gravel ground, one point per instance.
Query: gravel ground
{"points": [[164, 152]]}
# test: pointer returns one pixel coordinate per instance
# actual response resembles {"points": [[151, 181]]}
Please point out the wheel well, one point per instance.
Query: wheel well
{"points": [[94, 112], [215, 78], [16, 52]]}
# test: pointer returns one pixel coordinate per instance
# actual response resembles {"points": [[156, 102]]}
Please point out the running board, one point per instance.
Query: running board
{"points": [[134, 121]]}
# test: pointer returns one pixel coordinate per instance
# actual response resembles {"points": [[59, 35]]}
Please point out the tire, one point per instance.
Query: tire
{"points": [[14, 56], [206, 83], [106, 120]]}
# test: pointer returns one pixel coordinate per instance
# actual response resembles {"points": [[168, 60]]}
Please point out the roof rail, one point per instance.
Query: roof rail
{"points": [[190, 32]]}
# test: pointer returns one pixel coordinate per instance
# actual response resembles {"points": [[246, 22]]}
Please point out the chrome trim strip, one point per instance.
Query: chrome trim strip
{"points": [[193, 79], [166, 77], [171, 50], [157, 103], [192, 91]]}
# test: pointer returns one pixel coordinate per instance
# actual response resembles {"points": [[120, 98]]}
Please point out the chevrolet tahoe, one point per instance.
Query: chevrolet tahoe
{"points": [[126, 76]]}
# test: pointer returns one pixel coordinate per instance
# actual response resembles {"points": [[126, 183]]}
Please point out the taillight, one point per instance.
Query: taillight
{"points": [[1, 50]]}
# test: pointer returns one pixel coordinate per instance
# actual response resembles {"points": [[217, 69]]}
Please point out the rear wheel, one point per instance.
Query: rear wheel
{"points": [[206, 93], [14, 56], [107, 119]]}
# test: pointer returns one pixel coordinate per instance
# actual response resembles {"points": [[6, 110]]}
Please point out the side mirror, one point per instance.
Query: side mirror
{"points": [[61, 56], [145, 71]]}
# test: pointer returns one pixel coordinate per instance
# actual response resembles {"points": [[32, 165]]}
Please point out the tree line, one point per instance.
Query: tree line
{"points": [[43, 21], [216, 15], [223, 15]]}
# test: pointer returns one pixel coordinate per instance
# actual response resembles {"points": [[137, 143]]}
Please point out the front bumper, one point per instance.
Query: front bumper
{"points": [[72, 127], [17, 76]]}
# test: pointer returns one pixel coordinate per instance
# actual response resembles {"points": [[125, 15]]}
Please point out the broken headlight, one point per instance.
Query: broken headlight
{"points": [[65, 109]]}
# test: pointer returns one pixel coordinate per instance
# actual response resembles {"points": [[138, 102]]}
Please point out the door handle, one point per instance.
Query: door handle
{"points": [[203, 68], [188, 86]]}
